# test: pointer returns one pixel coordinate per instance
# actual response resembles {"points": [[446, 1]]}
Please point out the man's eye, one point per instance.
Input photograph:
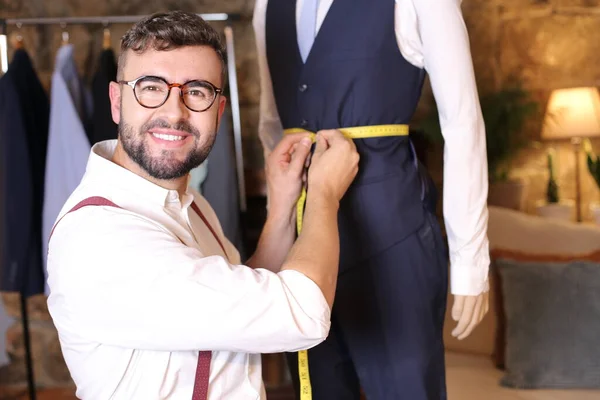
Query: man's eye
{"points": [[196, 93], [151, 88]]}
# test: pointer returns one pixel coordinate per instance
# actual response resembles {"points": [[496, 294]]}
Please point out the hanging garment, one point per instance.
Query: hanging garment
{"points": [[24, 113], [221, 186], [68, 144], [103, 127], [5, 322], [198, 176]]}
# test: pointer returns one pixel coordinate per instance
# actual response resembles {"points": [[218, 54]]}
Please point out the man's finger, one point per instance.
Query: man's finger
{"points": [[287, 143], [308, 159], [320, 147], [300, 155], [334, 136]]}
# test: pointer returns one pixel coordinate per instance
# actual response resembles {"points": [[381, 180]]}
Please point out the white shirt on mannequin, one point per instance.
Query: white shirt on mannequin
{"points": [[431, 34]]}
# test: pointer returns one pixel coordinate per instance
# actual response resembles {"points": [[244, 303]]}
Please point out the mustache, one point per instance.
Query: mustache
{"points": [[181, 125]]}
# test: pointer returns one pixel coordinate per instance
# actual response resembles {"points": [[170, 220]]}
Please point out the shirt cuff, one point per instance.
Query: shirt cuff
{"points": [[469, 280]]}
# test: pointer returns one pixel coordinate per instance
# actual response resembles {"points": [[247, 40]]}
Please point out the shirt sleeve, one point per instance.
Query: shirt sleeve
{"points": [[443, 44], [270, 129], [122, 280]]}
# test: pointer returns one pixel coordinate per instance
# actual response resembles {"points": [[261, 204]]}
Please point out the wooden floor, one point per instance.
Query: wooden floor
{"points": [[42, 394]]}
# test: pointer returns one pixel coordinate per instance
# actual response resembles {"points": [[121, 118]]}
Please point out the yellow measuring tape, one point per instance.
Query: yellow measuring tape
{"points": [[357, 132]]}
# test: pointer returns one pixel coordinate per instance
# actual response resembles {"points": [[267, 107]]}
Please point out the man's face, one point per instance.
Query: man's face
{"points": [[168, 141]]}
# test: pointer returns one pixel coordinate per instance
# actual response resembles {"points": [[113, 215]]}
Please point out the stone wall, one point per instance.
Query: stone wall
{"points": [[547, 43]]}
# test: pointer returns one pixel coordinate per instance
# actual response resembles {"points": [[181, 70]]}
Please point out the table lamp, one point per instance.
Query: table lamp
{"points": [[573, 114]]}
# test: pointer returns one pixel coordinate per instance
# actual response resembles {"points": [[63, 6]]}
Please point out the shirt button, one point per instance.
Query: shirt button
{"points": [[304, 123], [303, 87], [173, 196]]}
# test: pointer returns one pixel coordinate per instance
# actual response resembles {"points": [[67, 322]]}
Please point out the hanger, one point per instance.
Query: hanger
{"points": [[106, 37], [65, 34], [17, 42]]}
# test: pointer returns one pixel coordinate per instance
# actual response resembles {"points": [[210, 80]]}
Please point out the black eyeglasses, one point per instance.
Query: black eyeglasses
{"points": [[153, 92]]}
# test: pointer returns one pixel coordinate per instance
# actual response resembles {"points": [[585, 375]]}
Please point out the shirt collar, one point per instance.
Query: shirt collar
{"points": [[100, 167]]}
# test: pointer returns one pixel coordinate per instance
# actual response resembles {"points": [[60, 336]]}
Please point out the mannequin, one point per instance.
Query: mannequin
{"points": [[364, 67]]}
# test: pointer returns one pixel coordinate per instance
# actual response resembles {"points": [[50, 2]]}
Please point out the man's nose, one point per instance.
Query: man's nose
{"points": [[174, 109]]}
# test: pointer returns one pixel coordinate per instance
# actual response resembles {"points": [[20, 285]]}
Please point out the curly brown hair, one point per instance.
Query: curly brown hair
{"points": [[165, 31]]}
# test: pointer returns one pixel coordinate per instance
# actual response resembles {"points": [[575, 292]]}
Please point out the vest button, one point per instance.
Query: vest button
{"points": [[303, 87], [304, 123]]}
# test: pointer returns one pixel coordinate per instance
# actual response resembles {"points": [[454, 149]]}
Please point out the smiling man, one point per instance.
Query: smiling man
{"points": [[150, 300]]}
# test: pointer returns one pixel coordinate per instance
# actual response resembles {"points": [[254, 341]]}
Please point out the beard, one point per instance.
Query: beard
{"points": [[165, 166]]}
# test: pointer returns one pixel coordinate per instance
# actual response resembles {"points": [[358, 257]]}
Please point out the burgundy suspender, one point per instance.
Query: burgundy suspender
{"points": [[204, 357], [197, 209]]}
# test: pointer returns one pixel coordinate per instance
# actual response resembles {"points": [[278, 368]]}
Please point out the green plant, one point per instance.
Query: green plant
{"points": [[593, 161], [504, 113], [552, 191]]}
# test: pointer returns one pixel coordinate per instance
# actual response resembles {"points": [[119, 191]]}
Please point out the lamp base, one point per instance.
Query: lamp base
{"points": [[576, 141]]}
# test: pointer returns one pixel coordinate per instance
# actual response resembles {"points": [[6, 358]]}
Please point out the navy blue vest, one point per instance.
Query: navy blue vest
{"points": [[354, 75]]}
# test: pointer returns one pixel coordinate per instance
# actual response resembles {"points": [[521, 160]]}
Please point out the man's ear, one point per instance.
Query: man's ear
{"points": [[222, 104], [114, 92]]}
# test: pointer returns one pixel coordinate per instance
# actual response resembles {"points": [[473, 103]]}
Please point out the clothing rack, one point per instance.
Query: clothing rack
{"points": [[131, 19]]}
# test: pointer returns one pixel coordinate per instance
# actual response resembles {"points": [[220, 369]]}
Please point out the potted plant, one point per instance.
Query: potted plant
{"points": [[593, 164], [553, 207], [504, 113]]}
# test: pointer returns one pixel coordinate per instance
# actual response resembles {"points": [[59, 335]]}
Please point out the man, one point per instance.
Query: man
{"points": [[359, 66], [146, 292]]}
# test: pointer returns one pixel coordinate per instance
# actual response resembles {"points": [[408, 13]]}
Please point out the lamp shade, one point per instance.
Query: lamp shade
{"points": [[573, 112]]}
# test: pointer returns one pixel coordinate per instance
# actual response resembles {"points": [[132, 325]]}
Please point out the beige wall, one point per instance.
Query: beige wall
{"points": [[549, 44]]}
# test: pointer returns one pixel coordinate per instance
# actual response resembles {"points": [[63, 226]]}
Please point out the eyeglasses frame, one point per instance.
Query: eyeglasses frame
{"points": [[132, 83]]}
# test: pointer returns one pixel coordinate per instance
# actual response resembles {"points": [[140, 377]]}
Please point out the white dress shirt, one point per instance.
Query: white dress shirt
{"points": [[431, 34], [133, 305], [68, 144]]}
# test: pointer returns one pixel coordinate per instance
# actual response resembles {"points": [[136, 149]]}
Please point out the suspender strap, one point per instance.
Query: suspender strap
{"points": [[197, 210], [204, 357], [90, 201]]}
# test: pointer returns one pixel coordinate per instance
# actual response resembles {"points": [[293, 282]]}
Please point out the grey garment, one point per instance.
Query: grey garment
{"points": [[220, 187], [552, 324], [198, 176], [68, 143], [5, 322]]}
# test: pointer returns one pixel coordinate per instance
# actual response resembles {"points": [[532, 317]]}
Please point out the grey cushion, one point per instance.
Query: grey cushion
{"points": [[552, 324]]}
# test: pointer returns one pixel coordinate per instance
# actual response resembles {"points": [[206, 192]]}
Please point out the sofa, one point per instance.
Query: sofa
{"points": [[476, 366]]}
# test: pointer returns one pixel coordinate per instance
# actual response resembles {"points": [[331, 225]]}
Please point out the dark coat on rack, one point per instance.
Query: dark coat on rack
{"points": [[24, 116], [103, 127]]}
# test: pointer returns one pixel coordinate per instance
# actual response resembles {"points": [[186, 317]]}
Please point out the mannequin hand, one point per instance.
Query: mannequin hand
{"points": [[468, 311]]}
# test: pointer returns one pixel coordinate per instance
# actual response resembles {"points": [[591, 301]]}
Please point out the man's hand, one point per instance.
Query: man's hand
{"points": [[316, 253], [333, 166], [284, 170], [468, 311]]}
